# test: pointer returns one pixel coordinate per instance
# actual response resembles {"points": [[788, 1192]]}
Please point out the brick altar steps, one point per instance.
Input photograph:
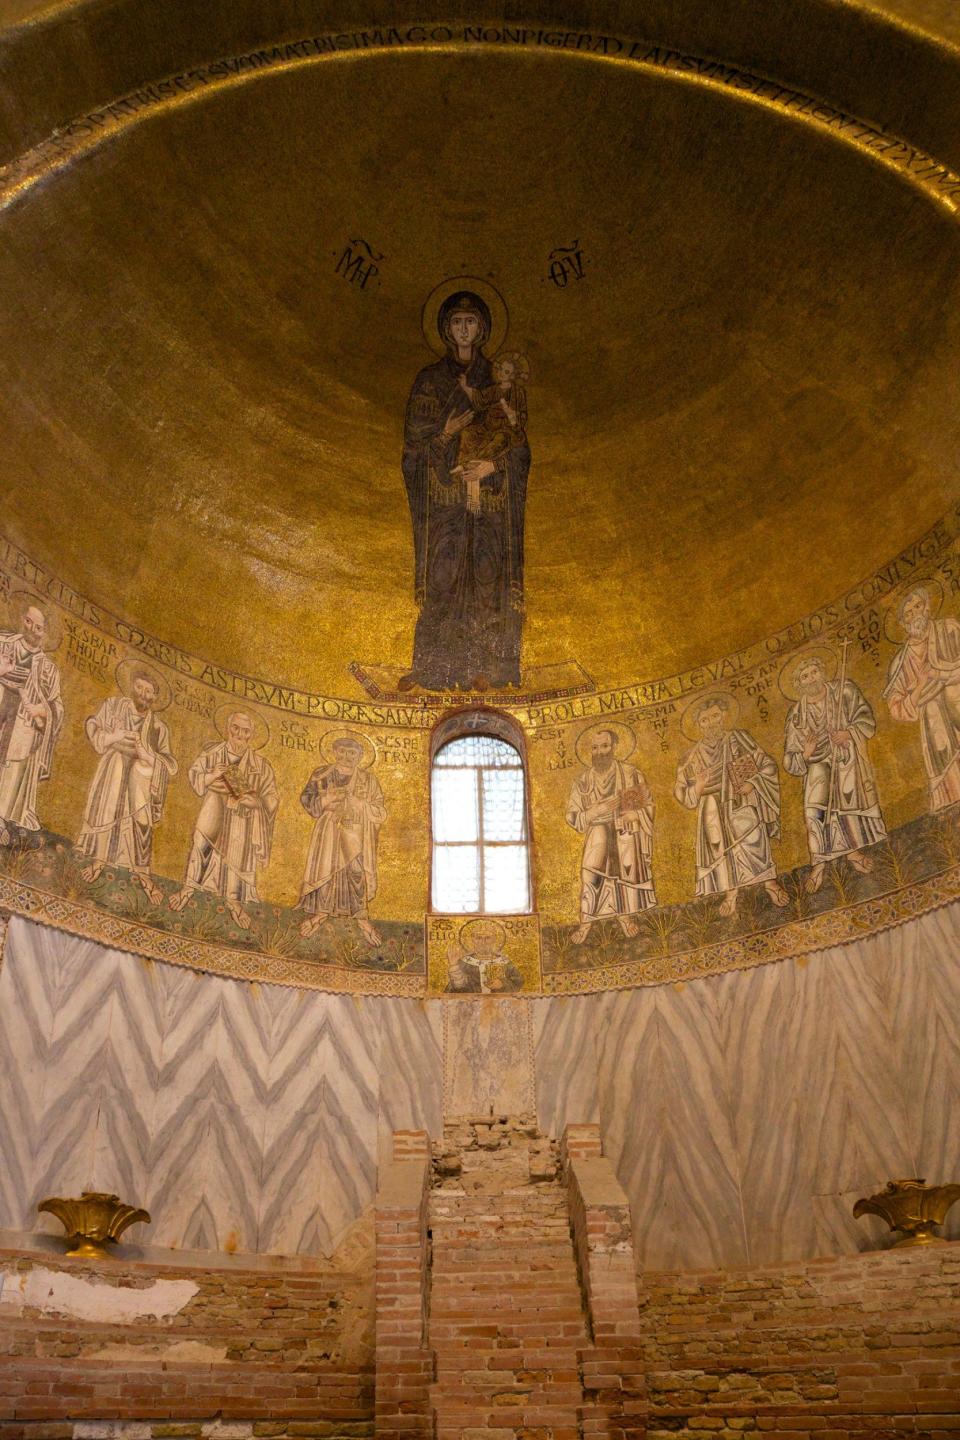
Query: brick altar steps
{"points": [[483, 1331], [506, 1319]]}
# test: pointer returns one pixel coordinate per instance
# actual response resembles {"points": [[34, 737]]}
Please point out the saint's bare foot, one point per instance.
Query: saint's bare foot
{"points": [[150, 888], [729, 905], [368, 932], [239, 914], [580, 934], [89, 873], [777, 893], [311, 925], [177, 901], [860, 862], [5, 836], [815, 879], [629, 926]]}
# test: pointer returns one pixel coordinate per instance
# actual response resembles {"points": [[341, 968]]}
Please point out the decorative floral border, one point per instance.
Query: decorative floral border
{"points": [[797, 937], [819, 932], [174, 949]]}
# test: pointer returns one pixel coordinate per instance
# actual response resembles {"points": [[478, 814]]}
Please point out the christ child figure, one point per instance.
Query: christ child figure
{"points": [[500, 419]]}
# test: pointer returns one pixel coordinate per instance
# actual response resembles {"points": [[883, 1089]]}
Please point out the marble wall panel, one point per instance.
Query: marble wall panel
{"points": [[746, 1112], [411, 1066], [923, 962], [320, 1148], [666, 1119], [123, 1140], [208, 1121], [816, 1107], [488, 1057], [243, 1117], [566, 1062], [56, 1002]]}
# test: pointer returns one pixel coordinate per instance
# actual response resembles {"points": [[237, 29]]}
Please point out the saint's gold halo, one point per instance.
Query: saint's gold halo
{"points": [[499, 319], [688, 720], [826, 653], [626, 740], [20, 600], [261, 730], [893, 626], [366, 745], [474, 927], [132, 666]]}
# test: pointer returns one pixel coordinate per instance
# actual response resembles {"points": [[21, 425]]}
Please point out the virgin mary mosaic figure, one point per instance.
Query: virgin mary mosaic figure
{"points": [[467, 502]]}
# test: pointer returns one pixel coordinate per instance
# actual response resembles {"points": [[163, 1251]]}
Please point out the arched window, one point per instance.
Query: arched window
{"points": [[481, 849]]}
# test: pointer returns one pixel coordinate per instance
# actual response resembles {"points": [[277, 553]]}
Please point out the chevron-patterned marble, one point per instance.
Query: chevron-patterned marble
{"points": [[746, 1112], [566, 1062], [411, 1066], [243, 1117]]}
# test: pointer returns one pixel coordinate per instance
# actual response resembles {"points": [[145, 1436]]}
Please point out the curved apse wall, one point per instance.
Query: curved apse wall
{"points": [[768, 824], [895, 845]]}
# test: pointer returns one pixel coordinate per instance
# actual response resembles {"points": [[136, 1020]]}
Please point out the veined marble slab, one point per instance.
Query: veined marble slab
{"points": [[744, 1113], [488, 1056]]}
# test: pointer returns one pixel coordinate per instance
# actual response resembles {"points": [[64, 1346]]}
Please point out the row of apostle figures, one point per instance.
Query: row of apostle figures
{"points": [[730, 781], [239, 800], [237, 787], [733, 784]]}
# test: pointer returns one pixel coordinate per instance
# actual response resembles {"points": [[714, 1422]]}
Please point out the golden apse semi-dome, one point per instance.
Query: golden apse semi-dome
{"points": [[203, 418], [720, 250]]}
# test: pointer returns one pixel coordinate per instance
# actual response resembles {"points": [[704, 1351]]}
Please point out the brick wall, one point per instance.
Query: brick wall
{"points": [[612, 1375], [865, 1346], [862, 1346], [261, 1344], [404, 1363]]}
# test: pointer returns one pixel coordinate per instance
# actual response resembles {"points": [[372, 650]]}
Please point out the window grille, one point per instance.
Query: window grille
{"points": [[481, 851]]}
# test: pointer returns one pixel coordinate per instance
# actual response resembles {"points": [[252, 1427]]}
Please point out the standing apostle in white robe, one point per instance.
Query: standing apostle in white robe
{"points": [[31, 715], [924, 685], [340, 878], [735, 789], [826, 746], [612, 808], [129, 786], [234, 830]]}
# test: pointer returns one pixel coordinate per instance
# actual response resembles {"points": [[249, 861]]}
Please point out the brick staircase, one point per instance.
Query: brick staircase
{"points": [[506, 1320], [506, 1288]]}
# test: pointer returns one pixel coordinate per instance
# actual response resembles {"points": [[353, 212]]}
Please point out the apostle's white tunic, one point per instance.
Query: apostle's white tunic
{"points": [[616, 871], [341, 871], [26, 748], [735, 823], [840, 803], [934, 657], [231, 841], [126, 795]]}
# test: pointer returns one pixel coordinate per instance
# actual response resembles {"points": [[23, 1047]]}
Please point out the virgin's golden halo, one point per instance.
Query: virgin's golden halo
{"points": [[331, 737], [261, 730], [132, 665], [627, 740], [494, 301], [688, 720], [787, 677], [893, 626], [20, 600]]}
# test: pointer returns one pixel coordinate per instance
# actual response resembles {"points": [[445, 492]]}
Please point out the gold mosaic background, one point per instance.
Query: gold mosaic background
{"points": [[742, 400], [740, 367], [653, 710]]}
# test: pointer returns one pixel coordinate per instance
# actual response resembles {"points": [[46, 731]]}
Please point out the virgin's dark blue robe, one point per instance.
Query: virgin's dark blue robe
{"points": [[468, 567]]}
